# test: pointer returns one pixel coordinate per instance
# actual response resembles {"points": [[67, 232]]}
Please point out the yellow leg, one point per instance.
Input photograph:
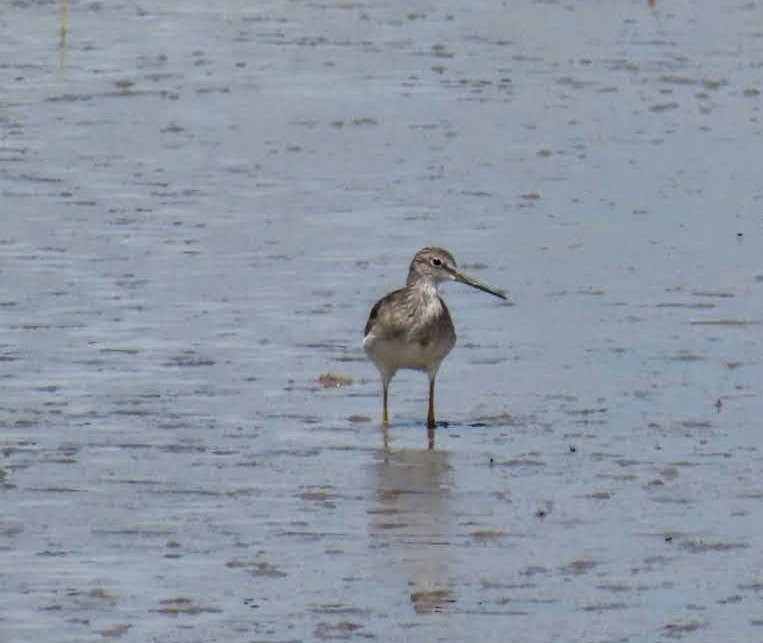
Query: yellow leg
{"points": [[385, 416], [430, 413]]}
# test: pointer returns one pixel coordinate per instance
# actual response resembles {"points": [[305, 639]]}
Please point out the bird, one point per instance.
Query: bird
{"points": [[411, 328]]}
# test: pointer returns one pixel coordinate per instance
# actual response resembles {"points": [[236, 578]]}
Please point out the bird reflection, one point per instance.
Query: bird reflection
{"points": [[408, 523], [385, 437]]}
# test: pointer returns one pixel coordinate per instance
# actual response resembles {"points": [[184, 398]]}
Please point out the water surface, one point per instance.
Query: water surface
{"points": [[201, 204]]}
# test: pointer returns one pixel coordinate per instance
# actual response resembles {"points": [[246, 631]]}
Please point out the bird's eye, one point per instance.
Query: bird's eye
{"points": [[436, 261]]}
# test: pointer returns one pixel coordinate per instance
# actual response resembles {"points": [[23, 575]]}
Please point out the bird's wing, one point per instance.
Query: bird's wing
{"points": [[385, 321]]}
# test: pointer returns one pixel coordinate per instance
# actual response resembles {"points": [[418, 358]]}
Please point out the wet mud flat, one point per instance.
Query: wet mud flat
{"points": [[201, 203], [572, 522]]}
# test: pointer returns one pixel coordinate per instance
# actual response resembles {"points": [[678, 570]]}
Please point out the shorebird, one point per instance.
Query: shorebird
{"points": [[411, 327]]}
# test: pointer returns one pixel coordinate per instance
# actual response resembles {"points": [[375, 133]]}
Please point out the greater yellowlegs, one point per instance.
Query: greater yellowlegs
{"points": [[411, 327]]}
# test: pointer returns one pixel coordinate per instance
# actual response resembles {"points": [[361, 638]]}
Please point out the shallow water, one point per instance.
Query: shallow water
{"points": [[201, 205]]}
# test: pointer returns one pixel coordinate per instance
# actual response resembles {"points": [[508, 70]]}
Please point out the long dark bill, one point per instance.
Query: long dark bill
{"points": [[465, 279]]}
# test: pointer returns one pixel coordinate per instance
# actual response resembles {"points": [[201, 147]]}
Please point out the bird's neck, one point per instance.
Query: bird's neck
{"points": [[428, 302], [427, 296], [423, 283], [425, 288]]}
